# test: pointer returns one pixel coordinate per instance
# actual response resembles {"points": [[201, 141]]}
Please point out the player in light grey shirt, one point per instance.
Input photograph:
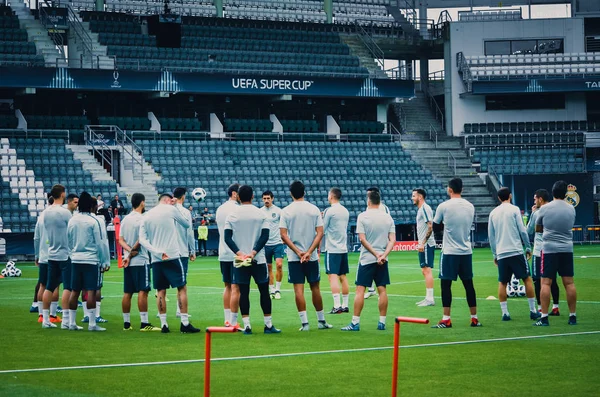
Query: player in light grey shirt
{"points": [[274, 248], [371, 291], [541, 198], [246, 233], [158, 234], [302, 230], [136, 263], [187, 241], [426, 246], [555, 220], [508, 237], [56, 221], [335, 227], [457, 215], [226, 256], [377, 233]]}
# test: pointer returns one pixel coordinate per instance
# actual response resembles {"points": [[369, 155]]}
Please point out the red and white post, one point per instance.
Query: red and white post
{"points": [[397, 347], [207, 353]]}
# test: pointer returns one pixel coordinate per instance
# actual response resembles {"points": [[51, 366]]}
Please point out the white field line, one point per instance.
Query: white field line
{"points": [[239, 358]]}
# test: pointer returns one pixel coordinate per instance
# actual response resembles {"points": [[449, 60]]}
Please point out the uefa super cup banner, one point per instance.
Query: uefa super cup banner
{"points": [[399, 246], [203, 83]]}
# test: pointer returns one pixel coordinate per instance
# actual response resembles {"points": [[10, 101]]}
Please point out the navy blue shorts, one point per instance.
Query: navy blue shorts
{"points": [[100, 281], [136, 279], [426, 258], [43, 273], [226, 270], [373, 272], [561, 263], [185, 261], [168, 274], [85, 276], [274, 252], [516, 265], [453, 266], [536, 267], [59, 272], [258, 271], [299, 273], [336, 264]]}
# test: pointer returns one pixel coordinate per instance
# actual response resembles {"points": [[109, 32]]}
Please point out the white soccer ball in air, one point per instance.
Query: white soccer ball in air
{"points": [[199, 194], [17, 272], [521, 290], [10, 265], [510, 291], [4, 272]]}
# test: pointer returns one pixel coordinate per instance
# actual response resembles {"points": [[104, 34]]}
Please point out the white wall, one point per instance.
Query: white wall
{"points": [[469, 38]]}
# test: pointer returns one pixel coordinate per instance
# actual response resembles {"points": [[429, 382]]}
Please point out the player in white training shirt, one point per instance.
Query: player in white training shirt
{"points": [[187, 243], [335, 227], [382, 207], [426, 245], [274, 248], [302, 230], [226, 256]]}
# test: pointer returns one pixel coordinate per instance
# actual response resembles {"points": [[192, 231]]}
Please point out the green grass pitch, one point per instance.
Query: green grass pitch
{"points": [[537, 364]]}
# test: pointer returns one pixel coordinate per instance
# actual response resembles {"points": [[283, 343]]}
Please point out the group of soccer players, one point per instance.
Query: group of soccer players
{"points": [[72, 248]]}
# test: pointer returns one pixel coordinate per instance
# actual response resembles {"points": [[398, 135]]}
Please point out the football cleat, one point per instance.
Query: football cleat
{"points": [[346, 309], [336, 310], [425, 303], [554, 312], [147, 327], [188, 329], [64, 326], [75, 327], [86, 319], [443, 324], [59, 309], [542, 322], [99, 319], [55, 319], [127, 327], [475, 323], [324, 325], [535, 315], [40, 319], [304, 327], [277, 295], [506, 317], [272, 330], [96, 328], [351, 327], [48, 325], [272, 295], [370, 293], [572, 320], [247, 331], [165, 329], [380, 326], [34, 309]]}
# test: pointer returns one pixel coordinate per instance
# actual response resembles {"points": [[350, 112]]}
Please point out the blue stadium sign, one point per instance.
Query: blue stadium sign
{"points": [[202, 83], [519, 86]]}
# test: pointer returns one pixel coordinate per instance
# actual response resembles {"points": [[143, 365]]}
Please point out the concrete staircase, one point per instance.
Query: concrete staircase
{"points": [[38, 34], [365, 57], [89, 162], [101, 59], [441, 164], [418, 115]]}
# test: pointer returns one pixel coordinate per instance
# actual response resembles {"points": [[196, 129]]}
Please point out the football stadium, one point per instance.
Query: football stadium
{"points": [[302, 197]]}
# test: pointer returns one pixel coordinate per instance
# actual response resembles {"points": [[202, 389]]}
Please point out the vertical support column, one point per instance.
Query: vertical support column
{"points": [[219, 7], [424, 72], [382, 115], [99, 5], [422, 23], [328, 7]]}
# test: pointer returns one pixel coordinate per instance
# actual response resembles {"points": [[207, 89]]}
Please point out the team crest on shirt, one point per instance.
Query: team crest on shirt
{"points": [[572, 196]]}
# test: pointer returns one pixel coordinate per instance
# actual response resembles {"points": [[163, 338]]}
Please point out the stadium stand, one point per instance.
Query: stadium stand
{"points": [[215, 164], [15, 49], [180, 124], [300, 125], [361, 127], [126, 123], [530, 126], [56, 122], [248, 125], [219, 44]]}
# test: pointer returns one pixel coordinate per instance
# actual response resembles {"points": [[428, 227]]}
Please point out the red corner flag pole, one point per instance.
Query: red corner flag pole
{"points": [[207, 353], [397, 347]]}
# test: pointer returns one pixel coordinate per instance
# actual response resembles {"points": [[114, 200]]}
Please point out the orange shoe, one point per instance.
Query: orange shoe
{"points": [[55, 319], [40, 319]]}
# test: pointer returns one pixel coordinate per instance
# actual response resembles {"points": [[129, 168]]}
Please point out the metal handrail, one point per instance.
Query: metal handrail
{"points": [[433, 135], [392, 129], [451, 156], [465, 70], [99, 146], [401, 117], [84, 37], [398, 72], [444, 17], [371, 45], [437, 75], [35, 133], [439, 115], [57, 38], [125, 141]]}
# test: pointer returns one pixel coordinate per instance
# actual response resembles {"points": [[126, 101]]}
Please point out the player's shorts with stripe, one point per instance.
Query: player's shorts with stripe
{"points": [[136, 279], [276, 251], [536, 267], [168, 274], [258, 271], [371, 273], [226, 270], [185, 261], [561, 263], [100, 280], [85, 276], [516, 264], [59, 272], [427, 257], [43, 273], [299, 273], [336, 264], [453, 266]]}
